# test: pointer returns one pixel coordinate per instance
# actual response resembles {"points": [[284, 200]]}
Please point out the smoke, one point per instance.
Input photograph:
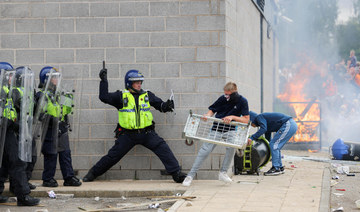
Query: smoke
{"points": [[310, 68]]}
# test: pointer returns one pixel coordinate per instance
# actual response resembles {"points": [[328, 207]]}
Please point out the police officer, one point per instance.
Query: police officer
{"points": [[136, 125], [57, 114], [4, 66], [11, 158]]}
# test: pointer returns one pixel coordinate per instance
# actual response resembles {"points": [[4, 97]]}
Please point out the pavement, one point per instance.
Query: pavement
{"points": [[305, 186]]}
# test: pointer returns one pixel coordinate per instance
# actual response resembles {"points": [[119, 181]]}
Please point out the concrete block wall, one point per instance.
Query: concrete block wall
{"points": [[192, 47]]}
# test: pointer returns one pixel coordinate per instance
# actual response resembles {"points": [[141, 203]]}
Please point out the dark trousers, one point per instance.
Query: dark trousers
{"points": [[50, 161], [127, 141], [15, 167]]}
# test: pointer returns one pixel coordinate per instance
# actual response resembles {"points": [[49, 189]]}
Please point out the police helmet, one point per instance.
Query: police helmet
{"points": [[44, 73], [19, 74], [5, 66], [132, 76]]}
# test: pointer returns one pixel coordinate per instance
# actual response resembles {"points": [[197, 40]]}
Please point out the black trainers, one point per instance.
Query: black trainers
{"points": [[73, 181], [178, 176], [89, 177], [50, 183], [32, 186], [27, 200], [272, 172], [3, 199], [282, 169]]}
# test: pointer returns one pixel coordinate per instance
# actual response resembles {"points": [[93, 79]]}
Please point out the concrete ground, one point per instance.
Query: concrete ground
{"points": [[301, 188]]}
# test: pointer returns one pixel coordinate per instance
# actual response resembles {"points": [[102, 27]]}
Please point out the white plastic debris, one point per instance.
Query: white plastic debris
{"points": [[178, 195], [155, 205], [357, 202], [335, 177], [343, 170], [341, 209], [338, 194], [97, 198], [122, 197], [51, 194]]}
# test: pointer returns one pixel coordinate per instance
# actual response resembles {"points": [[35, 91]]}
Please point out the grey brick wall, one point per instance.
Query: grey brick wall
{"points": [[193, 47]]}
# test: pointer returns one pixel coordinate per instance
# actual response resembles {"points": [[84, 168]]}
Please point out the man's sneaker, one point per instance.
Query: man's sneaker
{"points": [[272, 172], [224, 177], [50, 183], [27, 200], [187, 181], [72, 181], [282, 169]]}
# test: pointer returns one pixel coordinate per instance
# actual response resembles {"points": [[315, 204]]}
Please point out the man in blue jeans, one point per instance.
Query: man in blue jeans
{"points": [[284, 127], [229, 106]]}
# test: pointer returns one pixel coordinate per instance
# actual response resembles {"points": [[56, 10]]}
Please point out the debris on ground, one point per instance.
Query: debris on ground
{"points": [[335, 177], [51, 194], [188, 204], [341, 209]]}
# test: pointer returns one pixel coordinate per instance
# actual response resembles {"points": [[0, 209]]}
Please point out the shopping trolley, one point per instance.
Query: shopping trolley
{"points": [[214, 130]]}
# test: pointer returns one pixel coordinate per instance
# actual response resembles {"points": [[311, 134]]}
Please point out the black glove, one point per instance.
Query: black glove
{"points": [[168, 105], [63, 127], [103, 74]]}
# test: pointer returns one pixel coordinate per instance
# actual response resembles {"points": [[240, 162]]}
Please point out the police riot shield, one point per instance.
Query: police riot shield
{"points": [[71, 99], [47, 114], [26, 113], [6, 107]]}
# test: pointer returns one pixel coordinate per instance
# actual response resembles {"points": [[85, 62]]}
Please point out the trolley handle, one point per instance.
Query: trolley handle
{"points": [[233, 123]]}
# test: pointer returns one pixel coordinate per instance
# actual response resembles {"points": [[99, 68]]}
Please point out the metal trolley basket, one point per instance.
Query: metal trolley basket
{"points": [[214, 130]]}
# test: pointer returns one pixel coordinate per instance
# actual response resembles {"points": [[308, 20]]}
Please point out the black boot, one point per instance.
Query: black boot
{"points": [[32, 186], [50, 183], [72, 181], [3, 199], [89, 176], [178, 176], [27, 200]]}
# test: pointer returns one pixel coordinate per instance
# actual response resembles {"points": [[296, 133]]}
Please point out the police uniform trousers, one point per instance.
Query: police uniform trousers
{"points": [[13, 165], [127, 140], [31, 165], [50, 159]]}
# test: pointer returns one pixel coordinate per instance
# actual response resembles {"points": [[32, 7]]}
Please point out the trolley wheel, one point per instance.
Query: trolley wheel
{"points": [[258, 171], [189, 142]]}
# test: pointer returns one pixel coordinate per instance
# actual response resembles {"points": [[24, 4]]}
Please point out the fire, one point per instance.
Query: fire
{"points": [[307, 109]]}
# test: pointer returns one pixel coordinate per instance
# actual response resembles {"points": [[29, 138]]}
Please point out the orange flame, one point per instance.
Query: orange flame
{"points": [[307, 110]]}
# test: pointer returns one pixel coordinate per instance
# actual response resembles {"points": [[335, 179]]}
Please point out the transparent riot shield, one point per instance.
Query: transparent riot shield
{"points": [[72, 96], [26, 113], [6, 107], [47, 114], [67, 109], [3, 97]]}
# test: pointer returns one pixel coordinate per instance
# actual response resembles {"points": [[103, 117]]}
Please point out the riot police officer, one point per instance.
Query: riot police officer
{"points": [[18, 134], [56, 129], [4, 66], [135, 125]]}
